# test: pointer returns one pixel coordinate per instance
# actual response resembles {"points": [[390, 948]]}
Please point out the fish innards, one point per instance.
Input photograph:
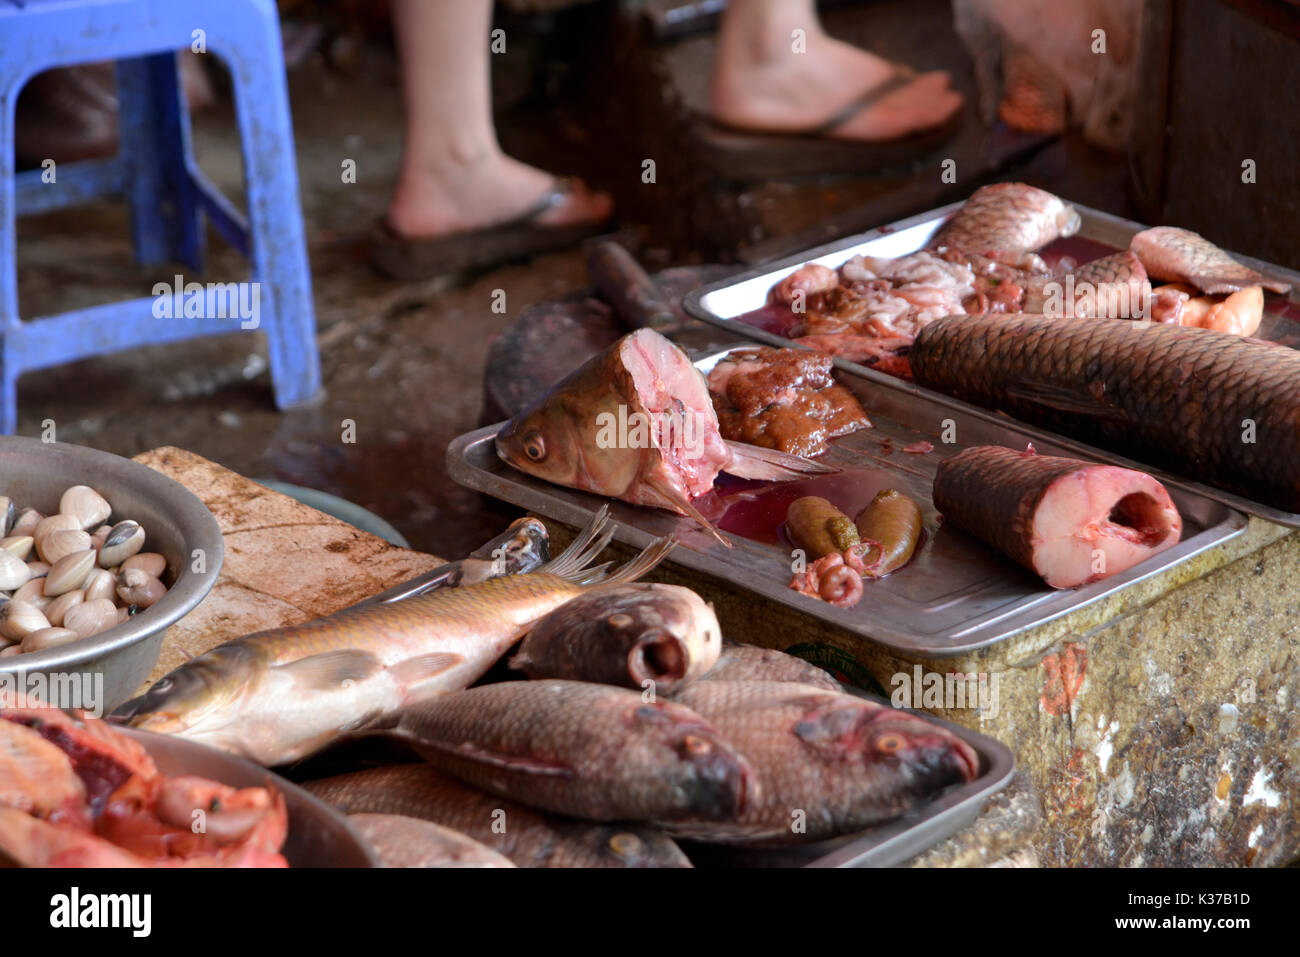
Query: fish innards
{"points": [[649, 434]]}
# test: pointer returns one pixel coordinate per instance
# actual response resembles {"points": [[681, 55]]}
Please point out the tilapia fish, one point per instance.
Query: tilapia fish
{"points": [[409, 842], [740, 662], [1067, 521], [637, 423], [584, 750], [280, 695], [637, 636], [1217, 408], [1180, 255], [527, 837], [1006, 222], [824, 763]]}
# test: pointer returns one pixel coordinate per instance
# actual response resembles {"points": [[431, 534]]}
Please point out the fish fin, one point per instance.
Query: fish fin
{"points": [[319, 672], [415, 671], [589, 543], [517, 763], [674, 501], [1064, 400], [650, 556], [753, 462]]}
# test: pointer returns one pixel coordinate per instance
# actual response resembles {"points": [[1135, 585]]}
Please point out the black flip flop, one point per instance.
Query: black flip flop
{"points": [[520, 237], [752, 155]]}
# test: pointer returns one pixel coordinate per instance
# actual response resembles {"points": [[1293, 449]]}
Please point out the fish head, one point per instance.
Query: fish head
{"points": [[624, 846], [675, 636], [709, 776], [566, 439], [198, 698]]}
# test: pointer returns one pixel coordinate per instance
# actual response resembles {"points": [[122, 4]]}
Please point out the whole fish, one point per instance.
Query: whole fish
{"points": [[740, 662], [524, 546], [824, 763], [1181, 255], [1006, 222], [1069, 522], [636, 636], [409, 842], [527, 837], [1217, 408], [1112, 287], [277, 696], [584, 750], [636, 423]]}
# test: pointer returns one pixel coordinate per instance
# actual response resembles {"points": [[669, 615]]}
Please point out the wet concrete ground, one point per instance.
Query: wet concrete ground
{"points": [[404, 361]]}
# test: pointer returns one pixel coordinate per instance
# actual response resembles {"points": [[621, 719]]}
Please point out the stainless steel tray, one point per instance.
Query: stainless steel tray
{"points": [[891, 844], [956, 595], [720, 303]]}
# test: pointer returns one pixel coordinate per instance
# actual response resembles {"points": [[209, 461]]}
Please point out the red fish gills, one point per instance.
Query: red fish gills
{"points": [[1067, 521]]}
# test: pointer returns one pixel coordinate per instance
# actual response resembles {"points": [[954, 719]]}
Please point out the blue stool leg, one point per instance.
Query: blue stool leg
{"points": [[279, 248], [10, 325], [165, 221]]}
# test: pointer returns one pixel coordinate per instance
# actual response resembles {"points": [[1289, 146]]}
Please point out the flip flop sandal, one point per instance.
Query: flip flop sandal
{"points": [[520, 237], [747, 154]]}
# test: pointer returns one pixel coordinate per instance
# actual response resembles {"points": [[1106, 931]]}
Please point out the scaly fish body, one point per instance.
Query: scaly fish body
{"points": [[637, 423], [740, 662], [1180, 255], [280, 695], [1112, 287], [1184, 398], [1006, 222], [824, 763], [409, 842], [584, 750], [527, 837]]}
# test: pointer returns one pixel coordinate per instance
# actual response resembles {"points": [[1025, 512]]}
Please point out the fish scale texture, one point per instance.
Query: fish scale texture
{"points": [[527, 837], [1003, 219], [994, 492], [1174, 396]]}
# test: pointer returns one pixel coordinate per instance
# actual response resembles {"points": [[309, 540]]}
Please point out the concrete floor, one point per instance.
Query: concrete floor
{"points": [[404, 360]]}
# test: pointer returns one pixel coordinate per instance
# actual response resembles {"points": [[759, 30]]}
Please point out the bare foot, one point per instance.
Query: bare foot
{"points": [[783, 91], [474, 195]]}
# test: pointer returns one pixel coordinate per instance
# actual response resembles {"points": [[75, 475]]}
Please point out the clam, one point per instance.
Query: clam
{"points": [[123, 542], [91, 617], [150, 562], [56, 545], [18, 619], [58, 607], [86, 505], [18, 545], [8, 513], [54, 523], [101, 583], [69, 572], [26, 522], [123, 613], [137, 587], [39, 569], [31, 590], [48, 638], [99, 535], [14, 572], [11, 651]]}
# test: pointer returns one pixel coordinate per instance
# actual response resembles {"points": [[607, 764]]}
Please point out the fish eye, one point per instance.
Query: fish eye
{"points": [[534, 446], [696, 745], [889, 743], [625, 845]]}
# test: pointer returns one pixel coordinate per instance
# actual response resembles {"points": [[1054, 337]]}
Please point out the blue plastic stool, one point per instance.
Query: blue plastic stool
{"points": [[156, 173]]}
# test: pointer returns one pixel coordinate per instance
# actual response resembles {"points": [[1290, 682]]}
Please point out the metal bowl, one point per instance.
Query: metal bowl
{"points": [[177, 525], [319, 836]]}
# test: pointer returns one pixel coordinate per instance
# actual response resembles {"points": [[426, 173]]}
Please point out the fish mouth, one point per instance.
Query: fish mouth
{"points": [[659, 657]]}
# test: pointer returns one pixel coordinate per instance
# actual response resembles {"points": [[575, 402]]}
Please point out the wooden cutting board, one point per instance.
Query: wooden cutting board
{"points": [[285, 562]]}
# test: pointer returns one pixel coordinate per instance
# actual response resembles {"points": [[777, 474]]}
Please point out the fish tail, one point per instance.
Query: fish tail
{"points": [[591, 541]]}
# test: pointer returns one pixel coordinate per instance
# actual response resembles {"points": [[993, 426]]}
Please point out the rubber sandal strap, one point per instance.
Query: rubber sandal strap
{"points": [[561, 188], [901, 76]]}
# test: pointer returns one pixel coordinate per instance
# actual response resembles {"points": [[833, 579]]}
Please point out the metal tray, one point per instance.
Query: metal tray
{"points": [[891, 844], [721, 302], [956, 595]]}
